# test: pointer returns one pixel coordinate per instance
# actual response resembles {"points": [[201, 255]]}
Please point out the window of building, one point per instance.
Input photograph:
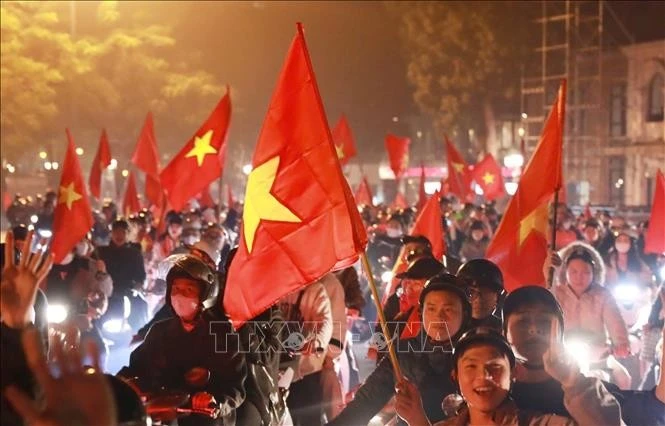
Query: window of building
{"points": [[618, 110], [655, 109], [617, 166]]}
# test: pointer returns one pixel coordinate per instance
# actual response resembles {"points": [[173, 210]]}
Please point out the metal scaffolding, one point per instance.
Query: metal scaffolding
{"points": [[571, 41]]}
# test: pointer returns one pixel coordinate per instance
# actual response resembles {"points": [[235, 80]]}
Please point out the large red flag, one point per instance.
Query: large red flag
{"points": [[429, 224], [519, 246], [201, 160], [101, 162], [422, 195], [345, 145], [205, 199], [363, 194], [398, 154], [654, 240], [146, 158], [131, 203], [459, 177], [72, 218], [296, 194], [487, 175]]}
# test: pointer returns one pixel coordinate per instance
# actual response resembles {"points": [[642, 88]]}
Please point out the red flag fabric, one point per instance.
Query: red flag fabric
{"points": [[363, 194], [72, 218], [422, 195], [101, 162], [429, 224], [487, 174], [519, 246], [459, 177], [296, 194], [345, 145], [146, 158], [205, 199], [587, 212], [230, 199], [131, 203], [201, 160], [398, 154], [654, 240], [412, 326], [400, 201]]}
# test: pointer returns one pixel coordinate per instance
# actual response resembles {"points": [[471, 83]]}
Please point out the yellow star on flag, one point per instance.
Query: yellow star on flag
{"points": [[201, 148], [535, 221], [68, 195], [488, 178], [459, 167], [260, 204], [340, 151]]}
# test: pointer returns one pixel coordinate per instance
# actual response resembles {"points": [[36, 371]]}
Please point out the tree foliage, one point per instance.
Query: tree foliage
{"points": [[463, 57], [109, 74]]}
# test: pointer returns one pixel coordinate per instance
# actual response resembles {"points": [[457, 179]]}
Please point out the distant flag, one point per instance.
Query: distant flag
{"points": [[345, 146], [201, 160], [363, 194], [459, 176], [131, 203], [398, 154], [654, 240], [487, 175], [422, 195], [206, 198], [101, 161], [72, 218], [400, 201], [146, 158], [520, 245]]}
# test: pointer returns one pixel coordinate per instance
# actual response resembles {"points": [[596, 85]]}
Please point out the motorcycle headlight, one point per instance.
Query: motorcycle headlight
{"points": [[580, 351], [387, 276], [625, 292], [114, 325], [662, 272], [45, 233], [56, 313], [127, 307]]}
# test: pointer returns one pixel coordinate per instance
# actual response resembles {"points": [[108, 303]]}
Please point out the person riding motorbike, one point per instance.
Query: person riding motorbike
{"points": [[484, 286], [425, 360], [590, 311], [196, 338]]}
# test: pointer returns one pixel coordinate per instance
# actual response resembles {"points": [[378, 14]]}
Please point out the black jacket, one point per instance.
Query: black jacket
{"points": [[125, 265], [428, 367], [169, 352]]}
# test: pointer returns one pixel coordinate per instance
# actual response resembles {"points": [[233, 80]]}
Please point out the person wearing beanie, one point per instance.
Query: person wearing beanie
{"points": [[425, 360], [528, 314], [484, 369]]}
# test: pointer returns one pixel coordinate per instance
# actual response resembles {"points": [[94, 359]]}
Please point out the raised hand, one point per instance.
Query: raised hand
{"points": [[553, 260], [20, 281], [409, 404], [80, 396], [557, 363]]}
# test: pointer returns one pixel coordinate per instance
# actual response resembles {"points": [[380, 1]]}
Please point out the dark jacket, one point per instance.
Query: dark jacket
{"points": [[428, 367], [125, 265], [169, 352], [491, 321]]}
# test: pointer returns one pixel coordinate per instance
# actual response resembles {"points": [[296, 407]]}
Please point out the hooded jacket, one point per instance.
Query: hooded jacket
{"points": [[595, 311]]}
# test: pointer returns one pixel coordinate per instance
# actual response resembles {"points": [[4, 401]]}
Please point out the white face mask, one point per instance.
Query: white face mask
{"points": [[477, 236], [393, 232], [622, 247], [185, 307]]}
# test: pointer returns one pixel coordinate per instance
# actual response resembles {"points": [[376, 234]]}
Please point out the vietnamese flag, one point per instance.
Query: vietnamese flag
{"points": [[429, 225], [398, 154], [422, 195], [146, 158], [519, 246], [487, 175], [654, 240], [131, 203], [72, 218], [363, 194], [201, 160], [205, 199], [459, 177], [343, 139], [399, 202], [296, 195], [102, 161]]}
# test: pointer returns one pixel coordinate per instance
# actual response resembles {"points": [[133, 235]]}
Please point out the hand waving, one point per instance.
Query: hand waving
{"points": [[409, 404], [557, 362], [80, 396], [20, 281]]}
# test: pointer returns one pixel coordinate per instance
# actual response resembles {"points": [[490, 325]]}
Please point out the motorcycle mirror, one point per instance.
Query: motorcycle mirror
{"points": [[451, 404], [197, 377]]}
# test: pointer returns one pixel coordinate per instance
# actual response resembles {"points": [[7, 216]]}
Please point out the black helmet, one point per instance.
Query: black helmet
{"points": [[20, 232], [421, 269], [530, 295], [481, 273], [173, 217], [484, 335], [192, 267], [450, 283], [120, 224], [129, 407]]}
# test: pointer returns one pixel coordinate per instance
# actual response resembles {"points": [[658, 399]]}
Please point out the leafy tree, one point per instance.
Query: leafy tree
{"points": [[464, 59]]}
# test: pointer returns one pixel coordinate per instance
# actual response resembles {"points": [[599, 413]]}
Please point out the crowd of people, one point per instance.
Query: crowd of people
{"points": [[586, 351]]}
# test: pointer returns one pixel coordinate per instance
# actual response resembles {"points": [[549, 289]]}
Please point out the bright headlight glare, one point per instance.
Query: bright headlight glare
{"points": [[56, 313], [387, 276], [625, 292]]}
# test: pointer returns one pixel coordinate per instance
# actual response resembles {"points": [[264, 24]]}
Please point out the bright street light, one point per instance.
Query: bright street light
{"points": [[125, 173], [520, 131], [513, 160], [42, 155], [247, 169], [79, 151], [114, 164], [47, 165], [511, 187], [524, 116], [55, 165]]}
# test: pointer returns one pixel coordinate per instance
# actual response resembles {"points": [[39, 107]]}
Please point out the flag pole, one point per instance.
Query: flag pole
{"points": [[550, 273], [382, 318]]}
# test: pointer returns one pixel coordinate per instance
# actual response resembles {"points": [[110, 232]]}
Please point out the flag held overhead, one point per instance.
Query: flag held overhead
{"points": [[101, 161]]}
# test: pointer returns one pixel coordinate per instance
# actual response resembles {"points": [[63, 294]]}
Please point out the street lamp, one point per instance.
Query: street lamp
{"points": [[79, 151], [521, 132], [125, 173], [395, 119], [247, 169], [55, 165], [114, 164], [47, 165], [524, 116], [43, 155], [513, 160]]}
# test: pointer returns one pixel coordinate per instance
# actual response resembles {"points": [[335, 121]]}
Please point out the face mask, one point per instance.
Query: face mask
{"points": [[394, 233], [477, 236], [185, 307], [622, 247]]}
